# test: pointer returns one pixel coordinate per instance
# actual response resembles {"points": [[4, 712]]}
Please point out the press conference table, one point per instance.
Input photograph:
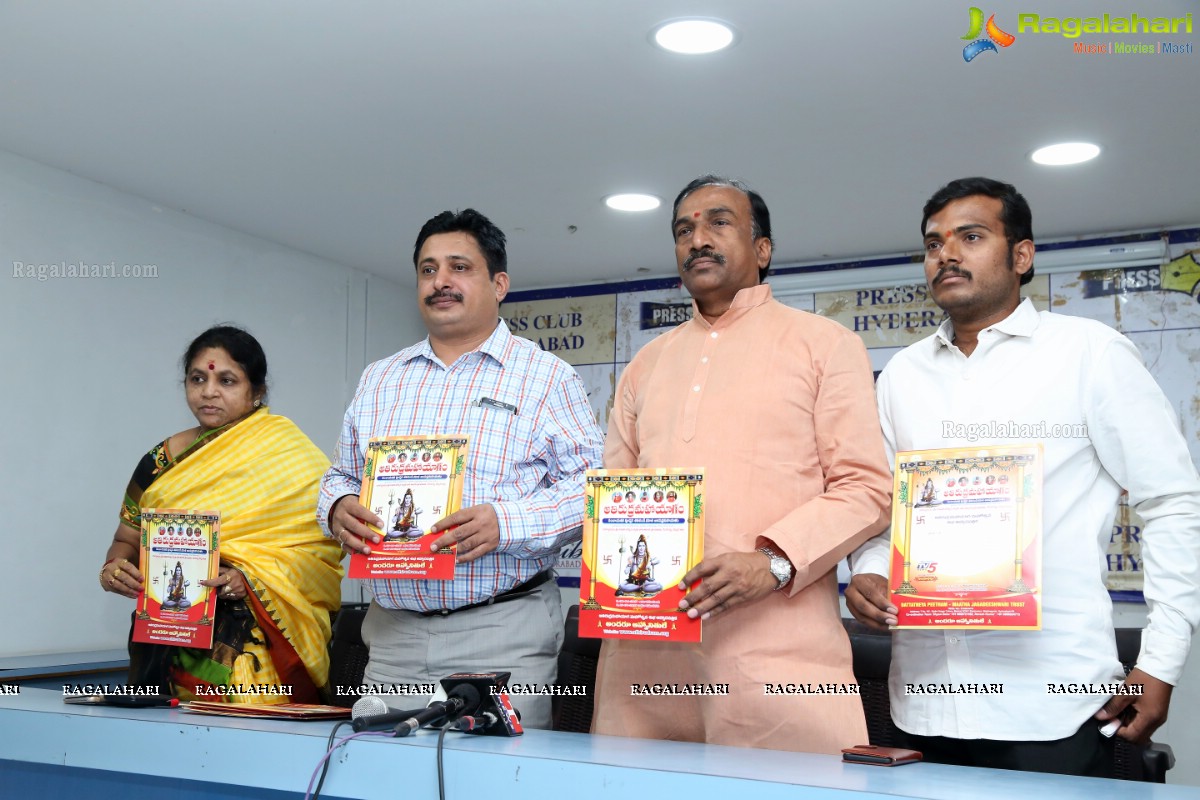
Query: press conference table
{"points": [[50, 749]]}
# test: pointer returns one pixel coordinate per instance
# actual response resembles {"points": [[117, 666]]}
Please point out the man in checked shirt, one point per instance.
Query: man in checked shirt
{"points": [[532, 436]]}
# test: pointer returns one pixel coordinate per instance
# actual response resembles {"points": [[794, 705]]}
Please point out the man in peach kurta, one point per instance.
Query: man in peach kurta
{"points": [[777, 406]]}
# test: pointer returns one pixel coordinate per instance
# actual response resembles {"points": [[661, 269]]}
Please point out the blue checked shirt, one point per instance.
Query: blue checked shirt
{"points": [[528, 465]]}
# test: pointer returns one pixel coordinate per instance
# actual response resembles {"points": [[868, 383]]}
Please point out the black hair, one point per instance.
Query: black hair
{"points": [[760, 217], [489, 238], [1015, 214], [241, 347]]}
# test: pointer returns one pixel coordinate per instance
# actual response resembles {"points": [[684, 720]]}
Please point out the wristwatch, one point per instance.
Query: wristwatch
{"points": [[781, 568]]}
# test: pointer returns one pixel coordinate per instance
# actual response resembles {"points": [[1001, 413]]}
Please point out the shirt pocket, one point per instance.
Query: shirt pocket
{"points": [[501, 440]]}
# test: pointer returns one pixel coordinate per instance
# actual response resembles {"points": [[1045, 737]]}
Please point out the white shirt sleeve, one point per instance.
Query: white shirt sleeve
{"points": [[873, 555], [1137, 437]]}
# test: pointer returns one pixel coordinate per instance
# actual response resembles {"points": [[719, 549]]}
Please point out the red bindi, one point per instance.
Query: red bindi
{"points": [[211, 365], [696, 215]]}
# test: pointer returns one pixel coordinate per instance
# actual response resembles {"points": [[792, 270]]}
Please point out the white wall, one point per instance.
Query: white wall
{"points": [[90, 373]]}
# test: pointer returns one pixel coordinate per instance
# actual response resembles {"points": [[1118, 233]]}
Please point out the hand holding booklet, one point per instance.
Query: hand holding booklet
{"points": [[966, 538], [179, 549], [411, 482], [643, 530]]}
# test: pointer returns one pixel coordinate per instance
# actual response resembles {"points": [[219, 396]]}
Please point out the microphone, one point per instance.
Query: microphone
{"points": [[495, 715], [478, 723], [370, 713], [461, 699]]}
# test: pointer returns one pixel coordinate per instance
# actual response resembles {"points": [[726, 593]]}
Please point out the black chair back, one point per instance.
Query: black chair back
{"points": [[348, 654], [576, 667]]}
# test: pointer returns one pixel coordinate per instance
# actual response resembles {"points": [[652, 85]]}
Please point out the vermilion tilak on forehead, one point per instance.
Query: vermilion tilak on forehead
{"points": [[696, 215], [211, 365]]}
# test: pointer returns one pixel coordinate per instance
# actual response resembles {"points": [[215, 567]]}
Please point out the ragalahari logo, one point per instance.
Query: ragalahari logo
{"points": [[995, 36]]}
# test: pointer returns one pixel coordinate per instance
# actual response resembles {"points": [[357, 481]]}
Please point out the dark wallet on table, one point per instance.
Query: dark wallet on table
{"points": [[879, 756]]}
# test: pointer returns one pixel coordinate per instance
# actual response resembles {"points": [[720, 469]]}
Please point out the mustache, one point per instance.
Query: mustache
{"points": [[706, 253], [953, 272], [433, 298]]}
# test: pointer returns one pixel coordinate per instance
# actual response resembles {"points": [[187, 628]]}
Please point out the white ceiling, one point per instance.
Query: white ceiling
{"points": [[338, 128]]}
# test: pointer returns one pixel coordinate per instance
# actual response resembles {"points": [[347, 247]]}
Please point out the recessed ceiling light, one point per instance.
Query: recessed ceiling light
{"points": [[632, 202], [693, 36], [1064, 153]]}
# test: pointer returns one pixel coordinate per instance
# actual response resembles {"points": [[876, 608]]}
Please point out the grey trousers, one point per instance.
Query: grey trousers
{"points": [[522, 636]]}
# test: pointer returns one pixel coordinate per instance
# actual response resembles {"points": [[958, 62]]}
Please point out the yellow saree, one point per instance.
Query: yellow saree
{"points": [[262, 474]]}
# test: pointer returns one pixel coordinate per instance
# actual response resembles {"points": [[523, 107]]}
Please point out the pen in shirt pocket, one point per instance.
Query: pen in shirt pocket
{"points": [[487, 402]]}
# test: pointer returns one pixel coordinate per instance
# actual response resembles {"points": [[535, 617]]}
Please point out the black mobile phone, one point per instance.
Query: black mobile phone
{"points": [[867, 759], [880, 756]]}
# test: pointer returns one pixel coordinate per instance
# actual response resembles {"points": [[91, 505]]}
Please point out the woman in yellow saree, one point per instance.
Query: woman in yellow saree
{"points": [[279, 577]]}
